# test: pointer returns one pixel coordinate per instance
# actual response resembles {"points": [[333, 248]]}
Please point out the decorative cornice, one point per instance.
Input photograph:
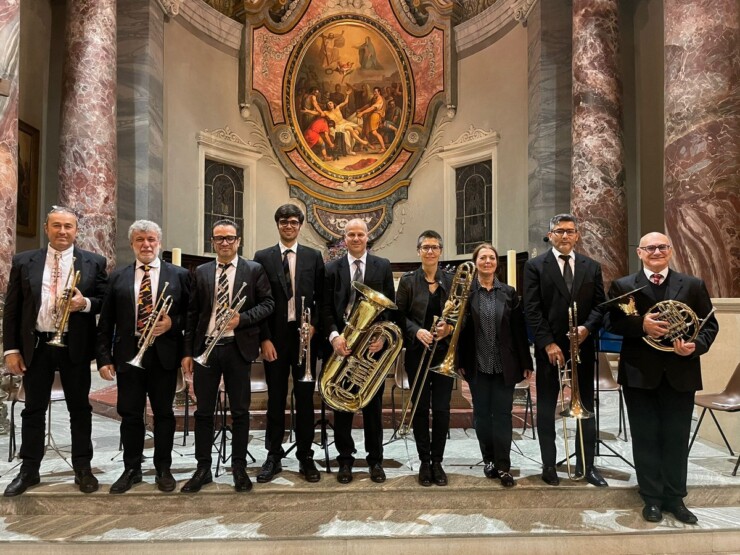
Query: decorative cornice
{"points": [[208, 21], [728, 305], [475, 134], [522, 12], [471, 141], [171, 8], [491, 23], [226, 139]]}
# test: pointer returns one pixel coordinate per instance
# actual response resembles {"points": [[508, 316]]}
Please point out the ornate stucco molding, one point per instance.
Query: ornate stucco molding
{"points": [[207, 21], [472, 139], [170, 7], [226, 140], [491, 23]]}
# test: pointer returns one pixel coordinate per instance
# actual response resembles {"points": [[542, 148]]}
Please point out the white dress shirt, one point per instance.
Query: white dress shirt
{"points": [[291, 265], [231, 276]]}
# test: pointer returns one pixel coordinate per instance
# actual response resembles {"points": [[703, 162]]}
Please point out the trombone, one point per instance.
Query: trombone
{"points": [[161, 308], [61, 317], [222, 322], [304, 348]]}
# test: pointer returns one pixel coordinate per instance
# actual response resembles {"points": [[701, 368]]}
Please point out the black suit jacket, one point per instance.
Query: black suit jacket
{"points": [[309, 278], [642, 366], [511, 332], [23, 301], [117, 342], [258, 306], [337, 285], [412, 299]]}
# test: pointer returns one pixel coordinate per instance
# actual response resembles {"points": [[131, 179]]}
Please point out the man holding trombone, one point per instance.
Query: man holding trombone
{"points": [[230, 299], [53, 296], [140, 345]]}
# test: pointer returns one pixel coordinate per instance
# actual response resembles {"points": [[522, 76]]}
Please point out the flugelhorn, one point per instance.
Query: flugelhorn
{"points": [[64, 307], [304, 347], [161, 307], [222, 322]]}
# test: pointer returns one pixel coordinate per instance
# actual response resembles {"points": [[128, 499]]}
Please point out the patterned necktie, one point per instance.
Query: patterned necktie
{"points": [[656, 278], [223, 300], [56, 276], [144, 303], [286, 272], [567, 271], [357, 276]]}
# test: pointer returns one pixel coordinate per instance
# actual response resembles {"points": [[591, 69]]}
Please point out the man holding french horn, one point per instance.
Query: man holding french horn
{"points": [[140, 345], [660, 370]]}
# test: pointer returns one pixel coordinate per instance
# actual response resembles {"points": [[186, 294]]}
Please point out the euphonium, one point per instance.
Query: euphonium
{"points": [[349, 383], [64, 306], [161, 307], [304, 347], [221, 324]]}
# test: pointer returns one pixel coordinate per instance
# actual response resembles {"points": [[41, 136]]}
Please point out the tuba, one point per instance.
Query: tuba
{"points": [[349, 383], [161, 307], [64, 307]]}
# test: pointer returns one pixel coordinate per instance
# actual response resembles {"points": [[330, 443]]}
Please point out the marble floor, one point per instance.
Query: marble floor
{"points": [[290, 516]]}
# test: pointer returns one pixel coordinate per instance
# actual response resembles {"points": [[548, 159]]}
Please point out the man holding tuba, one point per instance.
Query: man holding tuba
{"points": [[142, 317], [41, 297], [659, 385], [338, 299]]}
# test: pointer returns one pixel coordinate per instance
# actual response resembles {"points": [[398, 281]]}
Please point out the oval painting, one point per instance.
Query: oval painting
{"points": [[349, 96]]}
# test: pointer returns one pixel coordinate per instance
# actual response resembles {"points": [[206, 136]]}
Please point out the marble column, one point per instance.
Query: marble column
{"points": [[10, 19], [87, 143], [597, 192], [702, 140], [549, 85]]}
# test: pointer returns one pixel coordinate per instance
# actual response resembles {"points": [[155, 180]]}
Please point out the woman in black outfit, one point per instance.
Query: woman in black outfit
{"points": [[421, 296], [493, 356]]}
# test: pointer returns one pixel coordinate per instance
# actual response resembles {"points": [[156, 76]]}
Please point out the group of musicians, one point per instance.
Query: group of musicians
{"points": [[156, 318]]}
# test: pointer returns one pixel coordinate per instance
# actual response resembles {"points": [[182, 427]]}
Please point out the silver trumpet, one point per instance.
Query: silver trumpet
{"points": [[161, 308], [222, 323], [304, 348], [64, 307]]}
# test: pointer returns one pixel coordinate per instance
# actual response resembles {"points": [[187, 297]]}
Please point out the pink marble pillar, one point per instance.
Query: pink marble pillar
{"points": [[597, 190], [87, 145], [10, 15], [702, 140]]}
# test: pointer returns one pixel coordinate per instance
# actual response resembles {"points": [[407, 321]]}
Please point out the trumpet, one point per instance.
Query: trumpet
{"points": [[222, 321], [65, 304], [304, 348], [161, 307]]}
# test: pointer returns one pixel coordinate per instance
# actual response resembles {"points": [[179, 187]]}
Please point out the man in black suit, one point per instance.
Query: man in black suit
{"points": [[130, 303], [338, 300], [213, 291], [659, 386], [553, 282], [34, 305], [296, 275]]}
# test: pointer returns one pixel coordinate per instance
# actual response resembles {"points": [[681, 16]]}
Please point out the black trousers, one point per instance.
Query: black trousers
{"points": [[37, 382], [134, 386], [660, 420], [434, 393], [372, 416], [548, 389], [225, 361], [277, 374], [492, 404]]}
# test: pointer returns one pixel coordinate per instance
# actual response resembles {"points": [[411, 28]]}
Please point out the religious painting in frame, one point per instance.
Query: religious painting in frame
{"points": [[28, 179]]}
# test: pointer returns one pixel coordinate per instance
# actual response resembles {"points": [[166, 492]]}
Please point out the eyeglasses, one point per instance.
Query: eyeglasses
{"points": [[568, 232], [430, 248], [652, 248], [289, 223], [228, 239]]}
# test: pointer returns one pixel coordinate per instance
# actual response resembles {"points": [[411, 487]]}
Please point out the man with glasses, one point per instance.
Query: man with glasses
{"points": [[659, 386], [554, 282], [296, 274], [216, 289]]}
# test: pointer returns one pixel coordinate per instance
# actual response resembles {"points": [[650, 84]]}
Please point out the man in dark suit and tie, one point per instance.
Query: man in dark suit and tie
{"points": [[659, 386], [338, 300], [296, 275], [129, 307], [553, 282], [213, 295], [34, 306]]}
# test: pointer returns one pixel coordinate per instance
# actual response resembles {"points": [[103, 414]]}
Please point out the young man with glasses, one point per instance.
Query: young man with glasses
{"points": [[213, 296], [553, 282], [296, 274], [659, 386]]}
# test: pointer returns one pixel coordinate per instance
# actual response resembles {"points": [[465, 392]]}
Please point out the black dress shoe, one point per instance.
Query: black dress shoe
{"points": [[550, 476], [201, 477], [85, 479], [490, 470], [269, 469], [22, 482], [165, 481], [344, 476], [438, 474], [680, 511], [129, 477], [241, 479], [652, 513], [594, 477], [425, 474], [307, 468], [507, 480], [377, 474]]}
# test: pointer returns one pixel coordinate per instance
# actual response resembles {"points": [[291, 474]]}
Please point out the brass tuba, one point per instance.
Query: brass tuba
{"points": [[349, 383]]}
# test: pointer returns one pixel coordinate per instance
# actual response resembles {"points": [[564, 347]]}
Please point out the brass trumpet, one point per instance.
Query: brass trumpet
{"points": [[64, 307], [304, 348], [161, 307], [221, 323]]}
